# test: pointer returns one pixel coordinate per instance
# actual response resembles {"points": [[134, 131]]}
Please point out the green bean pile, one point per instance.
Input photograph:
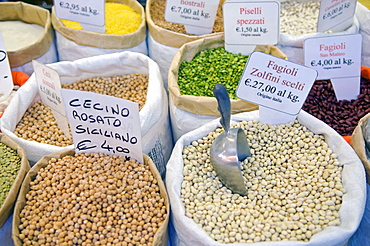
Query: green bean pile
{"points": [[209, 67], [10, 163]]}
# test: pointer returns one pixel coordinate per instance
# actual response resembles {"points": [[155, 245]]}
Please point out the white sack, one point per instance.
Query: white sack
{"points": [[68, 50], [162, 55], [155, 124], [353, 177]]}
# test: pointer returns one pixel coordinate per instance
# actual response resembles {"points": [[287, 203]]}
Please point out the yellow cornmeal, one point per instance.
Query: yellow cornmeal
{"points": [[119, 19]]}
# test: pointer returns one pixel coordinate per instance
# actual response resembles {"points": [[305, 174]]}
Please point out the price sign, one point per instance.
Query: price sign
{"points": [[6, 79], [48, 83], [197, 16], [250, 23], [336, 15], [337, 58], [104, 124], [275, 83], [90, 13]]}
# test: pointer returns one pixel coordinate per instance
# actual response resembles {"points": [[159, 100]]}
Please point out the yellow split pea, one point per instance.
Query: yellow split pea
{"points": [[119, 19]]}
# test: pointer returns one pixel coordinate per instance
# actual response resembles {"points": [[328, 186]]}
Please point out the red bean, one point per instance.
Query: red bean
{"points": [[342, 116]]}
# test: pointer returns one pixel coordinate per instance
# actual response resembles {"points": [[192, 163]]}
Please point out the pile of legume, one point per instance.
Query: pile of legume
{"points": [[92, 199], [120, 19], [209, 67], [344, 115], [10, 163], [38, 124], [157, 10], [299, 17], [293, 180], [131, 87]]}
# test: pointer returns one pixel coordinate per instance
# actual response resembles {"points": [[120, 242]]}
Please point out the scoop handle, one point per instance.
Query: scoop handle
{"points": [[224, 105]]}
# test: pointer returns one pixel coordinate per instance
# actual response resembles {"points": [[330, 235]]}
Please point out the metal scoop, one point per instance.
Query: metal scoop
{"points": [[230, 147]]}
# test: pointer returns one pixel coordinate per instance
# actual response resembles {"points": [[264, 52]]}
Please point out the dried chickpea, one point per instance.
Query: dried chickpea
{"points": [[131, 87], [92, 199], [38, 124]]}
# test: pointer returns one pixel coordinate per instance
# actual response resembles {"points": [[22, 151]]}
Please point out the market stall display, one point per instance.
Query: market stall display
{"points": [[91, 198], [305, 185], [73, 44], [13, 168], [155, 125], [196, 67], [28, 36]]}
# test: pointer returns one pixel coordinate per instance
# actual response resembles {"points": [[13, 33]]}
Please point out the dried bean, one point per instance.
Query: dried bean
{"points": [[344, 115], [10, 163], [293, 193]]}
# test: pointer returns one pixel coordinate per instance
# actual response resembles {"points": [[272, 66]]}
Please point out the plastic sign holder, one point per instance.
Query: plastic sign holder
{"points": [[48, 84], [198, 16], [278, 86], [6, 79], [89, 13], [250, 23], [337, 58]]}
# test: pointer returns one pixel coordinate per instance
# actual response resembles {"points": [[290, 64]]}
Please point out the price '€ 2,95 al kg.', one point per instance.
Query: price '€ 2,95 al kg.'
{"points": [[271, 92], [190, 11], [78, 8]]}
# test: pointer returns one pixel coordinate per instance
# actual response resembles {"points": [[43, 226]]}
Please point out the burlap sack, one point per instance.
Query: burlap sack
{"points": [[163, 44], [161, 236], [75, 44], [44, 49], [358, 144], [190, 112], [190, 233], [363, 16], [7, 208]]}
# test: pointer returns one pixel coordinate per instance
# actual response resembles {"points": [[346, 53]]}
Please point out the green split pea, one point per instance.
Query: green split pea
{"points": [[10, 163], [209, 67]]}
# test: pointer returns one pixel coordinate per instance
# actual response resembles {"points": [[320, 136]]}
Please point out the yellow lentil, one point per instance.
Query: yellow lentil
{"points": [[120, 19]]}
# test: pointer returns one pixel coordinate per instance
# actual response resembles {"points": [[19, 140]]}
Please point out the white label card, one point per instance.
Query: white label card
{"points": [[6, 80], [197, 16], [89, 12], [336, 15], [275, 83], [336, 58], [103, 124], [48, 83], [251, 23]]}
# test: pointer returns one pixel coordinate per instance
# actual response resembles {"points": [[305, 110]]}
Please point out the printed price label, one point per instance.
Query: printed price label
{"points": [[6, 79], [104, 124], [336, 58], [251, 23], [197, 16], [90, 12], [275, 83], [336, 15], [48, 83]]}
